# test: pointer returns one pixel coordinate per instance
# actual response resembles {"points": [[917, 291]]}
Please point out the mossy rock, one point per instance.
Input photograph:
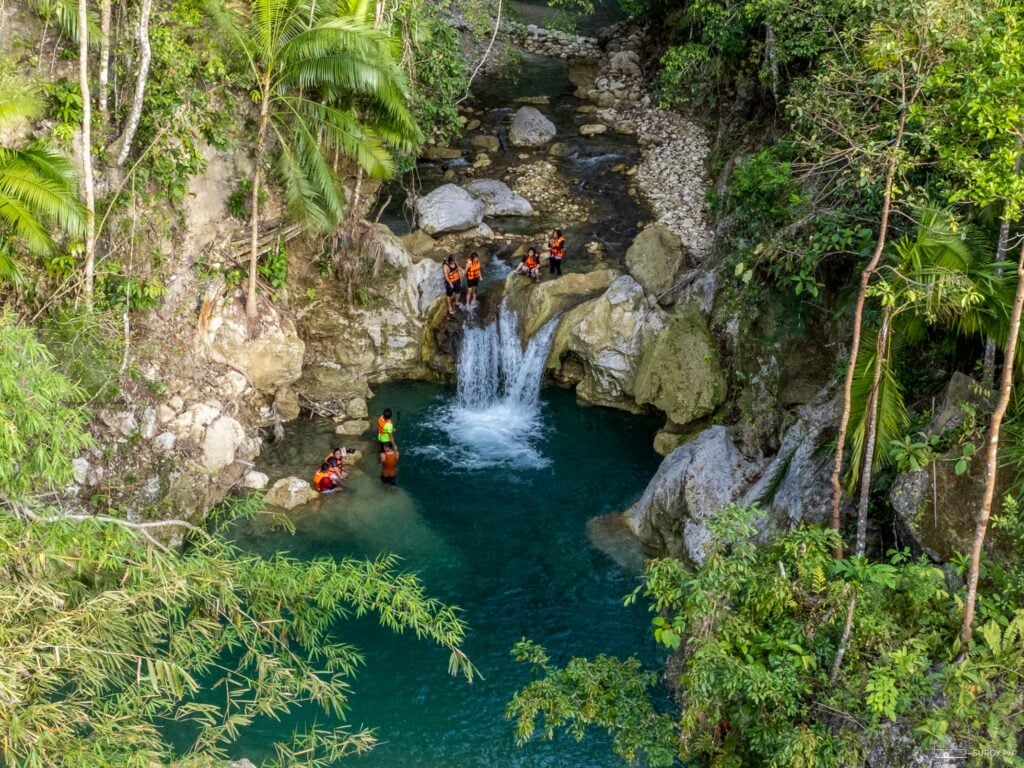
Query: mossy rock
{"points": [[680, 372], [538, 303]]}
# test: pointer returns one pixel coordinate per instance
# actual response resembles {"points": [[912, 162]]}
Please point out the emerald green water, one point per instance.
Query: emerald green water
{"points": [[507, 543]]}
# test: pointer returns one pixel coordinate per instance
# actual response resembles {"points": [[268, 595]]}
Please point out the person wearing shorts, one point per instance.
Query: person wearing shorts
{"points": [[473, 270], [452, 282]]}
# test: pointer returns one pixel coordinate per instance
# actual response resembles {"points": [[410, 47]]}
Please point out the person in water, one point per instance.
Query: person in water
{"points": [[472, 277], [530, 265], [388, 464], [324, 479], [556, 252], [337, 469], [452, 282], [386, 430]]}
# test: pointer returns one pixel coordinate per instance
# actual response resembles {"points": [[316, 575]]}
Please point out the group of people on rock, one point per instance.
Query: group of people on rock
{"points": [[529, 266], [453, 281], [332, 474]]}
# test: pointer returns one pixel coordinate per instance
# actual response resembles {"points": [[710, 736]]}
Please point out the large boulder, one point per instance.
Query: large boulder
{"points": [[393, 250], [427, 277], [654, 259], [796, 486], [679, 372], [270, 359], [332, 390], [537, 303], [499, 198], [221, 441], [449, 208], [289, 493], [530, 128], [598, 345], [692, 484]]}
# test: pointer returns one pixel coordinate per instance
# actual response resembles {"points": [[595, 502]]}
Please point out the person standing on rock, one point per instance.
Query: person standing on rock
{"points": [[472, 277], [556, 252], [452, 282]]}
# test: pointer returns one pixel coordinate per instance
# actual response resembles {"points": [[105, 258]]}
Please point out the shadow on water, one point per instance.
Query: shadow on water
{"points": [[505, 541]]}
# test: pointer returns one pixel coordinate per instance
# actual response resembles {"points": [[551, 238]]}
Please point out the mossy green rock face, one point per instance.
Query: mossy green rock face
{"points": [[679, 371], [655, 258], [537, 303]]}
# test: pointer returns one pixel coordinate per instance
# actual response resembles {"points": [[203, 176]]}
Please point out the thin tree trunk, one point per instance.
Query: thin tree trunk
{"points": [[858, 320], [988, 375], [104, 58], [90, 191], [145, 54], [257, 178], [844, 641], [871, 433], [992, 459]]}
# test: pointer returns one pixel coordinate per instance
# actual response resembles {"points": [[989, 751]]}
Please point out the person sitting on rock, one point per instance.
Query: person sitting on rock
{"points": [[388, 464], [473, 270], [452, 282], [530, 266], [556, 252], [324, 479], [337, 470]]}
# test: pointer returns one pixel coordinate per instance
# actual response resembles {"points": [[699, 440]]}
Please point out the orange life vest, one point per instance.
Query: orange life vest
{"points": [[532, 262], [557, 247], [381, 422], [389, 464], [473, 270], [322, 481], [451, 273]]}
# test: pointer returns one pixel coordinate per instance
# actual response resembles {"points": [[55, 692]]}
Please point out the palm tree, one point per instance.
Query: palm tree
{"points": [[940, 277], [328, 84], [38, 186]]}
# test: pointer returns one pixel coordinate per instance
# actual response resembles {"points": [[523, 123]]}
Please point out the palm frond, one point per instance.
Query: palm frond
{"points": [[19, 101], [892, 410], [37, 188]]}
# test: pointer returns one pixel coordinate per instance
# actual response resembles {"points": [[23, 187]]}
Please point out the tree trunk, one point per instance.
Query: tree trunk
{"points": [[254, 223], [992, 459], [104, 58], [145, 54], [988, 375], [844, 641], [870, 434], [90, 190], [858, 320]]}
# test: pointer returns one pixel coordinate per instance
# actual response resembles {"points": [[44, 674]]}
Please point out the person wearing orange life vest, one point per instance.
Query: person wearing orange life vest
{"points": [[556, 252], [530, 265], [324, 479], [388, 464], [386, 430], [452, 282], [473, 270]]}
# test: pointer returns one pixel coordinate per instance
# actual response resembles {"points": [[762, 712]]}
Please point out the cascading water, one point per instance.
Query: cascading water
{"points": [[496, 418]]}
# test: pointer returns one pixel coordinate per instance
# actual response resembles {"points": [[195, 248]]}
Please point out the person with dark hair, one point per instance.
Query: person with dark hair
{"points": [[473, 270], [452, 282], [324, 479], [337, 470], [530, 265], [556, 252], [386, 429], [388, 464]]}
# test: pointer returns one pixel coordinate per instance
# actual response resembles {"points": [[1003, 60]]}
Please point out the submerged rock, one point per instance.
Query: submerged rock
{"points": [[289, 493], [530, 128], [449, 209], [499, 199]]}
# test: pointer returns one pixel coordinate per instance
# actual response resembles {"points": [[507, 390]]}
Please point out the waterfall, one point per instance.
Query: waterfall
{"points": [[496, 417]]}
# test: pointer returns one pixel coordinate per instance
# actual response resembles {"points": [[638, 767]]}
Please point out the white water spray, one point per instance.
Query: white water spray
{"points": [[496, 419]]}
